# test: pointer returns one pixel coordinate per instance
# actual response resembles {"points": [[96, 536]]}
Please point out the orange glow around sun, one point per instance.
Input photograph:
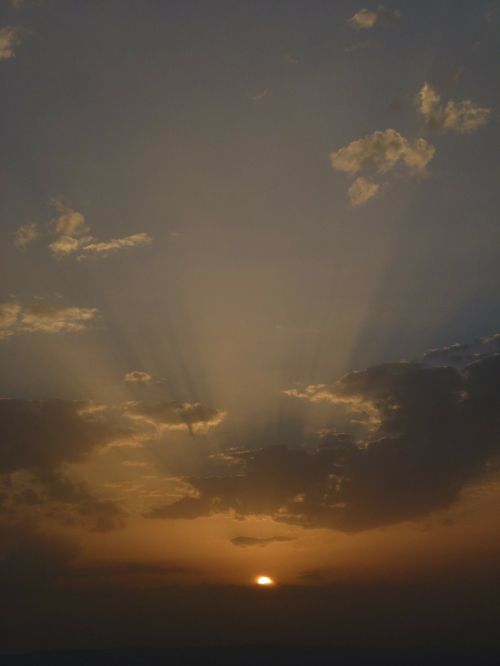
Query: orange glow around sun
{"points": [[264, 580]]}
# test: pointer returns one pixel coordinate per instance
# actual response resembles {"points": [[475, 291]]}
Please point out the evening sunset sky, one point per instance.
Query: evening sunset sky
{"points": [[249, 323]]}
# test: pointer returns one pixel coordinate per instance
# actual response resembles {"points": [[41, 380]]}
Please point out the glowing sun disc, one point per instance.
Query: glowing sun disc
{"points": [[264, 580]]}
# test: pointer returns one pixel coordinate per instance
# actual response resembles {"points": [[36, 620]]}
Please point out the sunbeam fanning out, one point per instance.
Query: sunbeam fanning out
{"points": [[249, 332]]}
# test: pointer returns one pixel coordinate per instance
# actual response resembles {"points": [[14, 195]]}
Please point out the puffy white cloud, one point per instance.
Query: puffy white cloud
{"points": [[463, 117], [26, 234], [65, 245], [365, 19], [380, 152], [10, 38], [361, 190], [70, 229], [383, 151], [69, 222]]}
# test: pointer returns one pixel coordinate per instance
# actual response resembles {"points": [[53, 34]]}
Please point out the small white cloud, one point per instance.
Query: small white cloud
{"points": [[25, 235], [361, 190], [138, 377], [73, 236], [365, 19], [462, 117], [10, 38]]}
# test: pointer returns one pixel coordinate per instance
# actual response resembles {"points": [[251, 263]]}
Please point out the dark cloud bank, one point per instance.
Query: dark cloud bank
{"points": [[430, 430], [37, 438]]}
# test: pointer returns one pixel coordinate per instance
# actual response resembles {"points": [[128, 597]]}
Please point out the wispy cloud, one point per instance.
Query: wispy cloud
{"points": [[42, 317], [9, 315], [104, 249], [162, 416], [72, 236], [363, 410], [10, 38], [26, 234], [462, 117], [259, 95]]}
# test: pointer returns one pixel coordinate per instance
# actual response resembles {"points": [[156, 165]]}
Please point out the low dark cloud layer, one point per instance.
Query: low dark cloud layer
{"points": [[246, 541], [429, 431], [132, 570], [377, 618], [31, 559]]}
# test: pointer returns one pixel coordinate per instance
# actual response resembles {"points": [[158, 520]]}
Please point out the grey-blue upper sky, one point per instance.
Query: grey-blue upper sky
{"points": [[209, 126]]}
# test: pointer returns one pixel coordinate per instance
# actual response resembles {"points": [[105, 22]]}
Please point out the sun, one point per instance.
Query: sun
{"points": [[264, 580]]}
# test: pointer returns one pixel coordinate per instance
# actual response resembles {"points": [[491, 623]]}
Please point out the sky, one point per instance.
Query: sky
{"points": [[249, 322]]}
